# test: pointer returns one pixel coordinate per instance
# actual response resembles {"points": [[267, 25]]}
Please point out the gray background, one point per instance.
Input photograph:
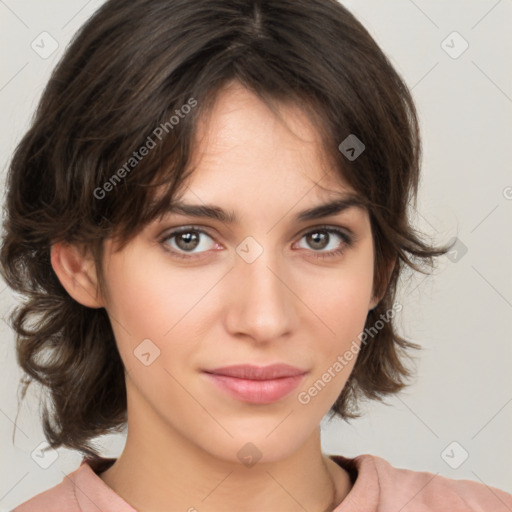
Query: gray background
{"points": [[461, 315]]}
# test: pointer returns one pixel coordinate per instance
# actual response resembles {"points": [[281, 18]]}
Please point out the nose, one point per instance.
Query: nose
{"points": [[262, 305]]}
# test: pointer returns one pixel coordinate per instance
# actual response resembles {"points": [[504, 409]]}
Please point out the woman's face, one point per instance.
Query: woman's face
{"points": [[266, 288]]}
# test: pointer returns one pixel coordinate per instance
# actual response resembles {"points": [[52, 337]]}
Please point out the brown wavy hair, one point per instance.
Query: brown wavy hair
{"points": [[127, 71]]}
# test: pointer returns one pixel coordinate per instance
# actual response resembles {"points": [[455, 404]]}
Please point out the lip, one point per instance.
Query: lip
{"points": [[257, 384], [253, 372]]}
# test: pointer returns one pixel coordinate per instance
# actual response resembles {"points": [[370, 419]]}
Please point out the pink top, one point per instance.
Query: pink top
{"points": [[377, 487]]}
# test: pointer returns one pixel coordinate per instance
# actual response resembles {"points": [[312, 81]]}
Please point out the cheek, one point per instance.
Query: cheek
{"points": [[342, 308], [150, 299], [161, 303], [341, 299]]}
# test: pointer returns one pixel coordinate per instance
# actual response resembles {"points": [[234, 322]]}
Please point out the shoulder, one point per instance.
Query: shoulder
{"points": [[58, 498], [380, 487], [422, 491], [80, 491]]}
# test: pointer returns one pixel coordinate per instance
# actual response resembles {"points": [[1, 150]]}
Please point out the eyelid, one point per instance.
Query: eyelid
{"points": [[328, 227], [168, 233], [206, 229]]}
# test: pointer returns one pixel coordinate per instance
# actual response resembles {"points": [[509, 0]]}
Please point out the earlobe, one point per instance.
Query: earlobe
{"points": [[75, 270], [389, 272], [374, 302]]}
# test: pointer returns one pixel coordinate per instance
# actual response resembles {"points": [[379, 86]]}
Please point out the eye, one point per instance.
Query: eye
{"points": [[191, 242], [187, 242], [333, 239]]}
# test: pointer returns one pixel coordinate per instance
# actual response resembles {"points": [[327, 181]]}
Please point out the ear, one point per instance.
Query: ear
{"points": [[76, 271], [376, 299]]}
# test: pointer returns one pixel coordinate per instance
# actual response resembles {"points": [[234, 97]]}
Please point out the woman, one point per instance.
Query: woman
{"points": [[208, 217]]}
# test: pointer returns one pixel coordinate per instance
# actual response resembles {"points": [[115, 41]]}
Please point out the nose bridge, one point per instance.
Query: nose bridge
{"points": [[261, 304]]}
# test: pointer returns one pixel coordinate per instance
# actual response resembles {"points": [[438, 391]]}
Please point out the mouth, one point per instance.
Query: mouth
{"points": [[254, 384]]}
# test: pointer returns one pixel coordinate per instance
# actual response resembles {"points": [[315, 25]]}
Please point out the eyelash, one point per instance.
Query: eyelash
{"points": [[347, 242]]}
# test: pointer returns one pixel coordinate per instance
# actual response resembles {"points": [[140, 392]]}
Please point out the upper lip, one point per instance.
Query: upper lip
{"points": [[252, 372]]}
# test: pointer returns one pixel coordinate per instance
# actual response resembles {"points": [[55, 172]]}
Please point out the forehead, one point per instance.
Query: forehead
{"points": [[242, 146]]}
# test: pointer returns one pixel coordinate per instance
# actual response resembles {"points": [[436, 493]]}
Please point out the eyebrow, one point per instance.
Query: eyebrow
{"points": [[342, 203]]}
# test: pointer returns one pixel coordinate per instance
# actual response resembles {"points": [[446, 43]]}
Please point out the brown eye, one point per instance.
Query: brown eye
{"points": [[333, 239], [188, 240], [184, 242], [318, 239]]}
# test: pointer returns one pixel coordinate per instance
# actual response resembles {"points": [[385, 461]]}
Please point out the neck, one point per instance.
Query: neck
{"points": [[161, 470]]}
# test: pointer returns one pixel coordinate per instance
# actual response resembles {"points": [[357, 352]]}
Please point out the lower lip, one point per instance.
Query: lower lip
{"points": [[256, 391]]}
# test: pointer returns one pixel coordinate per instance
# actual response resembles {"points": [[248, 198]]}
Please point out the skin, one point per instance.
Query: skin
{"points": [[286, 306]]}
